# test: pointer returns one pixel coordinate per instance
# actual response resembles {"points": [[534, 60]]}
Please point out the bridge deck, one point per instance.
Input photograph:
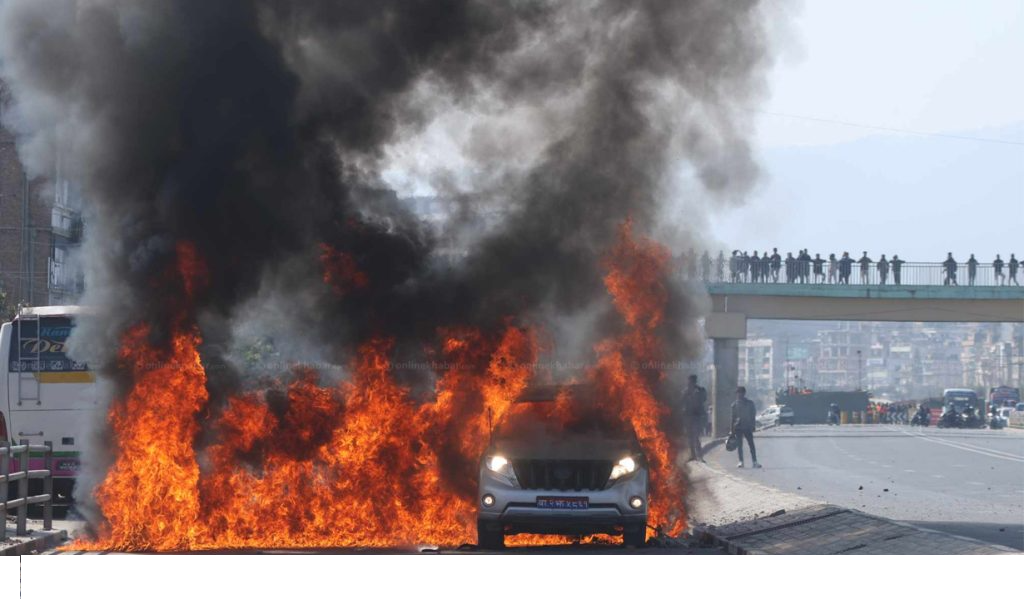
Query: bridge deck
{"points": [[870, 291], [907, 303]]}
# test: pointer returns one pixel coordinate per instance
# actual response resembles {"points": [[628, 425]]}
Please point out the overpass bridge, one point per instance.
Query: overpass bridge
{"points": [[733, 303]]}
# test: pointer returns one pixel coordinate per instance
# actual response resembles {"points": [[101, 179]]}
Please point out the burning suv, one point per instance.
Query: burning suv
{"points": [[569, 482]]}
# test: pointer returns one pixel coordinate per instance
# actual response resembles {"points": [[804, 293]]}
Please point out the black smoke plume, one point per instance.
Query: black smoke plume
{"points": [[261, 131]]}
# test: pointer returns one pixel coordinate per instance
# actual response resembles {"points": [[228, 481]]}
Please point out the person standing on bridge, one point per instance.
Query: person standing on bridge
{"points": [[883, 270], [845, 268], [997, 265], [776, 264], [695, 399], [790, 267], [1014, 265], [950, 266], [755, 268], [865, 266], [720, 266], [897, 266], [805, 267], [819, 272], [705, 264], [972, 270], [744, 414], [833, 268]]}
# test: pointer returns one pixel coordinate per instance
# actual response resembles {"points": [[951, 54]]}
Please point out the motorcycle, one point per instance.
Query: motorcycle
{"points": [[997, 422], [973, 421], [920, 419], [950, 419]]}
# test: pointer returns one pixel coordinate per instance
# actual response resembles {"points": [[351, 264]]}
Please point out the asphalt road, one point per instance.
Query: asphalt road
{"points": [[968, 483]]}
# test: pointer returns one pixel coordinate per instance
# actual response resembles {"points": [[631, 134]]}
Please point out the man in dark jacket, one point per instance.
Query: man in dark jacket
{"points": [[776, 264], [897, 267], [744, 414], [819, 271], [1014, 265], [790, 267], [865, 265], [997, 266], [845, 266], [695, 400], [950, 266], [972, 270], [883, 270]]}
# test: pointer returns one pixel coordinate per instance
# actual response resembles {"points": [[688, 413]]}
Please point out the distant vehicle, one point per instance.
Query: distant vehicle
{"points": [[577, 484], [961, 408], [1003, 396], [774, 416], [1000, 418], [46, 398]]}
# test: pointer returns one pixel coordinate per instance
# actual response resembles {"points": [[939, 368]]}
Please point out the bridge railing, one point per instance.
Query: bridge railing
{"points": [[909, 273], [11, 472]]}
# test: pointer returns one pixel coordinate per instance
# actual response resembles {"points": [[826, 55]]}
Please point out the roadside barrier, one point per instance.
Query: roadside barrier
{"points": [[22, 475]]}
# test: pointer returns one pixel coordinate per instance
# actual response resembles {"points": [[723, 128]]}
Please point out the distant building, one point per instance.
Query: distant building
{"points": [[841, 357], [40, 225], [756, 368]]}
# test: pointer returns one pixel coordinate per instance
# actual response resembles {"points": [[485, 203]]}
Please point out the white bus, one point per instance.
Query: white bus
{"points": [[46, 398]]}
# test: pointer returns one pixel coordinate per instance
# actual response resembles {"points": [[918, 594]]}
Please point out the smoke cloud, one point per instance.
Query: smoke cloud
{"points": [[263, 131]]}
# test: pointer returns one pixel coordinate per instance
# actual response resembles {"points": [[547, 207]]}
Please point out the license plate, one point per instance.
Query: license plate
{"points": [[563, 503]]}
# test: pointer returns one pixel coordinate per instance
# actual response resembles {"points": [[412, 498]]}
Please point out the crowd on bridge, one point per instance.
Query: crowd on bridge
{"points": [[803, 269]]}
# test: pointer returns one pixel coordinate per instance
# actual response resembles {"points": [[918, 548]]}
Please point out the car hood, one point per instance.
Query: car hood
{"points": [[565, 448]]}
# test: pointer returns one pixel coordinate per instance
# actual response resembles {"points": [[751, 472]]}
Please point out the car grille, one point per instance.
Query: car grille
{"points": [[563, 475]]}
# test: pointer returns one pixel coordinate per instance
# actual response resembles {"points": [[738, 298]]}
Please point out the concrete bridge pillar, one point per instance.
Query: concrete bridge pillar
{"points": [[725, 329], [727, 372]]}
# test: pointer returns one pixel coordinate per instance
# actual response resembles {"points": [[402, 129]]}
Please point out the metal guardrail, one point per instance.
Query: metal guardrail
{"points": [[909, 273], [22, 475]]}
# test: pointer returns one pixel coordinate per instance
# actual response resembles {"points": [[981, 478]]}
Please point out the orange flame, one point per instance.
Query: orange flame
{"points": [[361, 463], [636, 271], [341, 271]]}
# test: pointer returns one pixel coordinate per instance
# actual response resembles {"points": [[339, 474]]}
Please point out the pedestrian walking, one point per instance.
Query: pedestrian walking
{"points": [[833, 268], [705, 264], [1014, 265], [883, 269], [972, 270], [950, 267], [744, 414], [776, 264], [865, 265], [997, 266]]}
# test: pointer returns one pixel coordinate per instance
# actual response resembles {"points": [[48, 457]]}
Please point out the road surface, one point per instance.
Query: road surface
{"points": [[968, 483]]}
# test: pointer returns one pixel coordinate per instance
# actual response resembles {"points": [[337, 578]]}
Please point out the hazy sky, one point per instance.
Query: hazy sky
{"points": [[942, 67]]}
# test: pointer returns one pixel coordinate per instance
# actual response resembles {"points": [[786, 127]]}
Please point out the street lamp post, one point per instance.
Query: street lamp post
{"points": [[860, 371]]}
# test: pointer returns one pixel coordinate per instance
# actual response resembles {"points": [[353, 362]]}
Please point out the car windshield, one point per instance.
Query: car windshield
{"points": [[563, 411]]}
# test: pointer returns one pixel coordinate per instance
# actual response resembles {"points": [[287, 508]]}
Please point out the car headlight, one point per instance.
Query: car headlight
{"points": [[624, 466], [500, 464]]}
